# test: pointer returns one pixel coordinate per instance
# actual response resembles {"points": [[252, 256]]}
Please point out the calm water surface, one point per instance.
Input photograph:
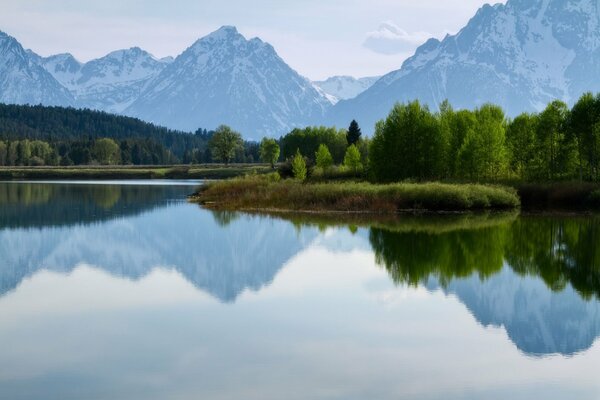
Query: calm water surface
{"points": [[125, 291]]}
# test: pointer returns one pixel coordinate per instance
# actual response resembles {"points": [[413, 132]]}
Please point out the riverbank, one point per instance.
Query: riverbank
{"points": [[271, 195], [207, 171]]}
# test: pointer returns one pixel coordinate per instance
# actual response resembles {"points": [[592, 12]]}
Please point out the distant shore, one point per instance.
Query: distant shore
{"points": [[204, 171]]}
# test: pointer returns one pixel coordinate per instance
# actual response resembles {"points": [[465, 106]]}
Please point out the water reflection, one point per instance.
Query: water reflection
{"points": [[538, 278]]}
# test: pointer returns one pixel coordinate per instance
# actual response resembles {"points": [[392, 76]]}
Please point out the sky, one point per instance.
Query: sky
{"points": [[318, 38]]}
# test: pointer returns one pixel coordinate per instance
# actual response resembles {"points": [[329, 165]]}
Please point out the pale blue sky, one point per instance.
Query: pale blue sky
{"points": [[318, 38]]}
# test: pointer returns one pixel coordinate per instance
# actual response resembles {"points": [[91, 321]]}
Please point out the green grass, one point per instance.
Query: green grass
{"points": [[268, 193], [131, 172]]}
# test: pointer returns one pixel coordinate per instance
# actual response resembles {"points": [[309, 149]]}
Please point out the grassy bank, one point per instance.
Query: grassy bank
{"points": [[131, 172], [262, 193]]}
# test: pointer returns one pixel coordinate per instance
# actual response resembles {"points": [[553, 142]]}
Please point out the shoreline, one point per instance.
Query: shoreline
{"points": [[123, 172]]}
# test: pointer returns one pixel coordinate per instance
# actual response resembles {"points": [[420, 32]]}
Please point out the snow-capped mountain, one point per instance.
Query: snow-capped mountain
{"points": [[539, 321], [345, 87], [23, 81], [520, 55], [110, 83], [224, 78]]}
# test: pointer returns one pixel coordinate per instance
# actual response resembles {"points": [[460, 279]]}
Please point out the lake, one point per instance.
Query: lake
{"points": [[123, 290]]}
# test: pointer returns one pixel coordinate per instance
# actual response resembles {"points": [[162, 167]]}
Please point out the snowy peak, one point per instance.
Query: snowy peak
{"points": [[520, 55], [345, 87], [120, 66], [226, 78], [23, 81]]}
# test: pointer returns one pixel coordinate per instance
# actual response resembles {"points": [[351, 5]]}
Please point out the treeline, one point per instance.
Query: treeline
{"points": [[484, 145], [71, 135]]}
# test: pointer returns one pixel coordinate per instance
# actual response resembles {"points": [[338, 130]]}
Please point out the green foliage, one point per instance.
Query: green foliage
{"points": [[352, 158], [106, 152], [269, 151], [408, 144], [584, 127], [299, 167], [354, 133], [521, 142], [323, 157], [224, 143], [309, 139]]}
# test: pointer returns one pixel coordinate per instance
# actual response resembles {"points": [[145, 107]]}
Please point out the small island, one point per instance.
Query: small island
{"points": [[420, 160]]}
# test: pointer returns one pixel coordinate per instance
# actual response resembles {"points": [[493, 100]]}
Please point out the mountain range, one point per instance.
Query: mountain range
{"points": [[520, 55]]}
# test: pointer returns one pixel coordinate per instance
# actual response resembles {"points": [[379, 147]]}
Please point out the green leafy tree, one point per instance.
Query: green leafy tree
{"points": [[23, 152], [555, 156], [3, 153], [299, 166], [269, 151], [408, 144], [323, 157], [309, 139], [106, 151], [224, 144], [352, 159], [520, 141], [354, 133], [491, 133], [584, 126]]}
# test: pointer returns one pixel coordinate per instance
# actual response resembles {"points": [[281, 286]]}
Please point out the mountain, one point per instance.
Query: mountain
{"points": [[539, 321], [110, 83], [520, 55], [24, 81], [345, 87], [224, 78]]}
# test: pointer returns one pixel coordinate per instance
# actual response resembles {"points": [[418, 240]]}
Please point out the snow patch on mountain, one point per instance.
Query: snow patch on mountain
{"points": [[520, 55], [225, 78], [339, 88], [24, 81]]}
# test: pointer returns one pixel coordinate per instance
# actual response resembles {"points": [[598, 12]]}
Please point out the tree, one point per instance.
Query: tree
{"points": [[106, 151], [408, 144], [12, 153], [309, 139], [224, 144], [354, 133], [3, 153], [23, 152], [299, 166], [352, 159], [269, 151], [520, 141], [554, 151], [491, 134], [323, 157], [584, 126]]}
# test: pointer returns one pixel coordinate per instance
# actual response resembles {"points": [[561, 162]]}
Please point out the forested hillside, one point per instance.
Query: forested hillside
{"points": [[39, 135]]}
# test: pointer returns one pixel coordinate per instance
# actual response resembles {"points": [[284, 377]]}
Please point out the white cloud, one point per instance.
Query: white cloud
{"points": [[391, 39]]}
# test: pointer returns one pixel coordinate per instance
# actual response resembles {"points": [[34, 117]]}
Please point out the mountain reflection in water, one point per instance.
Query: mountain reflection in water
{"points": [[537, 277]]}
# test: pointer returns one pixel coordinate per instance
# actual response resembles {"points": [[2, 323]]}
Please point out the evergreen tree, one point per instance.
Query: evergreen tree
{"points": [[354, 133]]}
